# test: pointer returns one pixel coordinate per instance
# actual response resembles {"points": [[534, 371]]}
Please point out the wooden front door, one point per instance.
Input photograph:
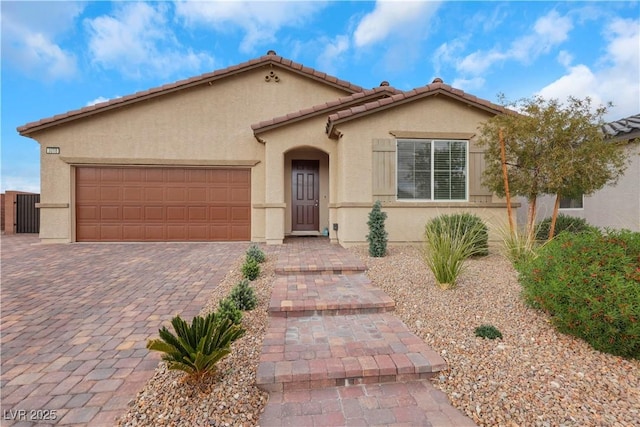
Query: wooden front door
{"points": [[305, 195]]}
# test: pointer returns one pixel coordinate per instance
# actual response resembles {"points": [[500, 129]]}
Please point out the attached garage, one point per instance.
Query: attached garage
{"points": [[162, 204]]}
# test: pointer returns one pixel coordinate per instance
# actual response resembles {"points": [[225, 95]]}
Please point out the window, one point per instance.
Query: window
{"points": [[568, 203], [432, 169]]}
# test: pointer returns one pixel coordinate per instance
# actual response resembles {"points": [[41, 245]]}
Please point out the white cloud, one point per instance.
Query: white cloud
{"points": [[446, 53], [258, 19], [392, 17], [615, 79], [548, 31], [30, 184], [137, 42], [99, 100], [468, 84], [31, 37], [565, 58], [333, 51]]}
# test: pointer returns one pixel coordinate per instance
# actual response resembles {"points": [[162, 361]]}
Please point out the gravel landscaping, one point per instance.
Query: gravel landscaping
{"points": [[533, 376]]}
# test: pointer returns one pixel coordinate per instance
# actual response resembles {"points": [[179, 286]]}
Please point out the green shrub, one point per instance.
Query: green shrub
{"points": [[518, 247], [254, 252], [227, 310], [566, 223], [377, 236], [590, 285], [196, 348], [449, 241], [488, 331], [243, 296], [468, 226], [250, 269]]}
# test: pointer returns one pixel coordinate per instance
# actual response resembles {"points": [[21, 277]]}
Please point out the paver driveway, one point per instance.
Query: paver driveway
{"points": [[75, 319]]}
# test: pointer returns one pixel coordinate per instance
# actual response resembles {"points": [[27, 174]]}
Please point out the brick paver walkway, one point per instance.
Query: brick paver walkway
{"points": [[334, 354], [75, 320]]}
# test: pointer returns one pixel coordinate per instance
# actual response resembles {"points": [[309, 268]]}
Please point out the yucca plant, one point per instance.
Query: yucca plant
{"points": [[243, 296], [254, 252], [447, 245], [519, 247], [196, 348]]}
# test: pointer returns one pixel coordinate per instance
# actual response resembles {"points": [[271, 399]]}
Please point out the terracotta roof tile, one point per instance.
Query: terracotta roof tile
{"points": [[628, 127], [31, 127], [324, 108], [408, 96]]}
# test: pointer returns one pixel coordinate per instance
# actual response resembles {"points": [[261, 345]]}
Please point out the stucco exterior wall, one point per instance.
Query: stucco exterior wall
{"points": [[406, 219], [208, 125], [614, 206]]}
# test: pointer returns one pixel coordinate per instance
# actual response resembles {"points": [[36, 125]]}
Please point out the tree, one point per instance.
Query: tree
{"points": [[551, 148], [377, 236]]}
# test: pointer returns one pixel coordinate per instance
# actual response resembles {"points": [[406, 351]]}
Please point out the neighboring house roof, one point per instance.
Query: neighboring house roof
{"points": [[433, 89], [270, 58], [623, 129], [335, 105]]}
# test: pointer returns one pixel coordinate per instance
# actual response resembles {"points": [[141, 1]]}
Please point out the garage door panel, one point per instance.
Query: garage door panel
{"points": [[159, 204]]}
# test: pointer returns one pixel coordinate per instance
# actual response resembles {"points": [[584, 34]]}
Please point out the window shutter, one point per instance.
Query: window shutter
{"points": [[384, 169], [477, 192]]}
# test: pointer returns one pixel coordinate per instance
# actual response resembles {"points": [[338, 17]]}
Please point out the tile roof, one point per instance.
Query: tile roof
{"points": [[627, 128], [269, 58], [432, 89], [338, 104]]}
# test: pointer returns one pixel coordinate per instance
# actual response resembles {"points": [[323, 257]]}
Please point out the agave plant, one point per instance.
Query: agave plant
{"points": [[196, 348]]}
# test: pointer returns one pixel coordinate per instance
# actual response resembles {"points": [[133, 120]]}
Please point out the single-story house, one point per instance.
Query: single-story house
{"points": [[259, 151], [614, 206]]}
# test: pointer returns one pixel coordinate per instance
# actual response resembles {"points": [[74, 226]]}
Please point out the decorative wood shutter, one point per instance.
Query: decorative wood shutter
{"points": [[384, 170], [477, 164]]}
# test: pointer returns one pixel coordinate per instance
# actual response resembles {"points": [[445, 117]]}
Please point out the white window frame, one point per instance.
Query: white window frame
{"points": [[432, 180]]}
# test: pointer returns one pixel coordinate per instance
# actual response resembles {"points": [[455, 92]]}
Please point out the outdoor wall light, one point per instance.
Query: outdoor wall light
{"points": [[53, 150]]}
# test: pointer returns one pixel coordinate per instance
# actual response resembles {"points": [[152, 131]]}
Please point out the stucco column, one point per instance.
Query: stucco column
{"points": [[274, 194]]}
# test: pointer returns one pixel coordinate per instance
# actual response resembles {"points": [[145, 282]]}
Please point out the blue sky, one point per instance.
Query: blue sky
{"points": [[60, 56]]}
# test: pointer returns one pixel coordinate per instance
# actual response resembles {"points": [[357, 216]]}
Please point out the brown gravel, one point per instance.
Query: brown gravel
{"points": [[534, 376], [228, 398]]}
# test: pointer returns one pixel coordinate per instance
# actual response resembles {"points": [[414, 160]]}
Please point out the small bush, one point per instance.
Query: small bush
{"points": [[566, 223], [488, 331], [254, 252], [518, 247], [377, 236], [227, 310], [250, 269], [467, 226], [448, 243], [590, 285], [243, 296], [196, 348]]}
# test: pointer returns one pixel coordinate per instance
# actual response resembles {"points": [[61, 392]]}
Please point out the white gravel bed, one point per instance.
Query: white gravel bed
{"points": [[230, 396], [534, 376]]}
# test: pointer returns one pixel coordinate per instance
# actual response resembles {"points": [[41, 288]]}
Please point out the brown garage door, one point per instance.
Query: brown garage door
{"points": [[162, 204]]}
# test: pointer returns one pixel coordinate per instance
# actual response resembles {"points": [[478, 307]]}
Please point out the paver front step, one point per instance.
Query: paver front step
{"points": [[333, 268], [326, 294], [326, 351]]}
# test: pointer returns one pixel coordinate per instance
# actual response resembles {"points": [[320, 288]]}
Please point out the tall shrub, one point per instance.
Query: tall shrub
{"points": [[589, 283], [567, 223], [448, 243], [377, 236]]}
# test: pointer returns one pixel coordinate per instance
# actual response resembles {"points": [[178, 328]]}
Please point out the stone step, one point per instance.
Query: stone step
{"points": [[327, 351], [326, 294], [316, 258]]}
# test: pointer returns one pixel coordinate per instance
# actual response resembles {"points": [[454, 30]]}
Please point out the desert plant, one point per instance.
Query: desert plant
{"points": [[447, 247], [518, 247], [196, 348], [589, 283], [377, 236], [254, 252], [566, 223], [250, 269], [227, 310], [468, 226], [488, 331], [243, 296]]}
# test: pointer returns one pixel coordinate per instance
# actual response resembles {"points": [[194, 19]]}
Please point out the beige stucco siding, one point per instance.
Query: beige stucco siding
{"points": [[207, 125]]}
